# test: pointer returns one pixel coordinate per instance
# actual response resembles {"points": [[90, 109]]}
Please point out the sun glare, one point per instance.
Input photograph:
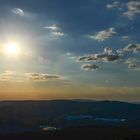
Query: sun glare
{"points": [[11, 49]]}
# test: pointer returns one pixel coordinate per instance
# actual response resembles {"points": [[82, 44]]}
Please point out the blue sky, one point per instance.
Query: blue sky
{"points": [[71, 46]]}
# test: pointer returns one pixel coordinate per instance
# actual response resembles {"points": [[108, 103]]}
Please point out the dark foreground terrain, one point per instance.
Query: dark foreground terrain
{"points": [[86, 133], [69, 120]]}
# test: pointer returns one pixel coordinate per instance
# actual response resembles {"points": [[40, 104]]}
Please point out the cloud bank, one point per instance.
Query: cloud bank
{"points": [[108, 55]]}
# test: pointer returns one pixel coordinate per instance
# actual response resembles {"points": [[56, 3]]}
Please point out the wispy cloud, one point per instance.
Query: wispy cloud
{"points": [[18, 11], [133, 8], [55, 31], [41, 77], [11, 76], [52, 27], [115, 4], [131, 60], [103, 35], [125, 38]]}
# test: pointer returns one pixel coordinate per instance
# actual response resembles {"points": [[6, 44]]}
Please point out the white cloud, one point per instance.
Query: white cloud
{"points": [[68, 53], [18, 11], [103, 35], [52, 27], [108, 50], [115, 4], [55, 31], [133, 8], [57, 34]]}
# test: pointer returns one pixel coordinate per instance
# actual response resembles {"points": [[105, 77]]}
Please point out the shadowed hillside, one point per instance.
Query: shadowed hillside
{"points": [[56, 112]]}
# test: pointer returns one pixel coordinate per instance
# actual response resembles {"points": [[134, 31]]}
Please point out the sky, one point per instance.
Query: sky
{"points": [[70, 49]]}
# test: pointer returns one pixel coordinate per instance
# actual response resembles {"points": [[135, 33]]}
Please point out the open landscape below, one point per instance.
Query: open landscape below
{"points": [[69, 119]]}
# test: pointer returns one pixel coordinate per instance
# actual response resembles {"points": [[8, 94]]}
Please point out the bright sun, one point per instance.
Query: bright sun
{"points": [[11, 48]]}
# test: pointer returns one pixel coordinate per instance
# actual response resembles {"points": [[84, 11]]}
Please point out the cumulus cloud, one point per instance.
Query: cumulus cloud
{"points": [[90, 67], [133, 8], [18, 11], [103, 35], [106, 56], [108, 50], [132, 47], [52, 27], [41, 77]]}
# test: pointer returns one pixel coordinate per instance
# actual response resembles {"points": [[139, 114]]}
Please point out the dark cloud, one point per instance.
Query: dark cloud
{"points": [[111, 57], [106, 56], [89, 67], [87, 58]]}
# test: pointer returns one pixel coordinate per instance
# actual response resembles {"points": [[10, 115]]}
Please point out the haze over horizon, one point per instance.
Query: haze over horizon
{"points": [[67, 49]]}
